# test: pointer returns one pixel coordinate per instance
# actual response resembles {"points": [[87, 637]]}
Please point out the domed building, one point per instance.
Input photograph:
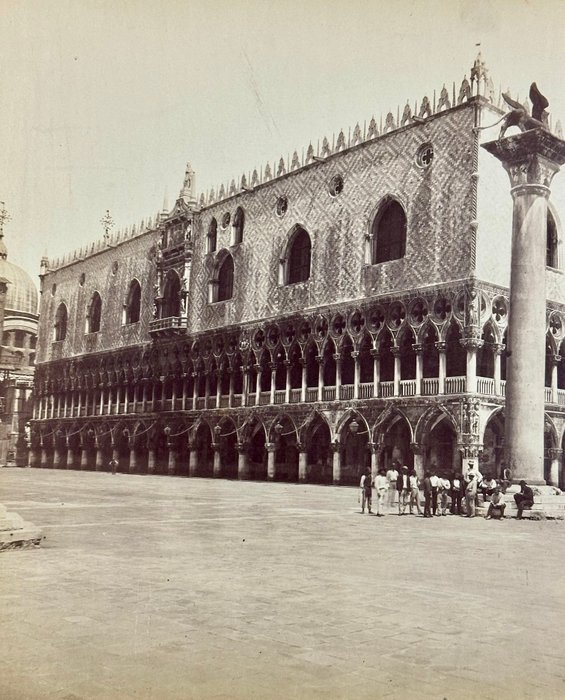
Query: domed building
{"points": [[18, 329]]}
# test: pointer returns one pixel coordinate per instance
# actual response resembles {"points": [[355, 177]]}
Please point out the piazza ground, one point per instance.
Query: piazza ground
{"points": [[171, 588]]}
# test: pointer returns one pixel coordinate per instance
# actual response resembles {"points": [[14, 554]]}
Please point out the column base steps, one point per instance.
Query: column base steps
{"points": [[15, 532]]}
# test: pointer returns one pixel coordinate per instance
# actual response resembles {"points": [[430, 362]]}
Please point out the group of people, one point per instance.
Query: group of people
{"points": [[458, 495]]}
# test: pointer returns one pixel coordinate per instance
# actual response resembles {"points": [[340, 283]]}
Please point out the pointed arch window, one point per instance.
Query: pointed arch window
{"points": [[299, 257], [61, 318], [238, 224], [94, 315], [132, 306], [212, 238], [225, 279], [389, 233], [551, 242], [171, 296]]}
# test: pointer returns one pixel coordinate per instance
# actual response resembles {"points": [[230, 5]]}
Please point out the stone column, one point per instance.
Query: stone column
{"points": [[376, 372], [217, 460], [33, 457], [356, 373], [320, 359], [396, 354], [172, 459], [498, 352], [70, 455], [418, 459], [271, 466], [83, 454], [442, 352], [531, 159], [151, 460], [43, 457], [336, 461], [245, 387], [471, 345], [304, 383], [302, 462], [556, 456], [287, 364], [373, 446], [56, 454], [192, 461], [273, 367], [419, 350], [242, 461], [337, 358], [258, 371], [99, 460], [132, 465], [555, 360]]}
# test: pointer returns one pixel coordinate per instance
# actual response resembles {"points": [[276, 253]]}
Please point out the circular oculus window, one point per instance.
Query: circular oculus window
{"points": [[281, 205], [425, 155], [336, 185]]}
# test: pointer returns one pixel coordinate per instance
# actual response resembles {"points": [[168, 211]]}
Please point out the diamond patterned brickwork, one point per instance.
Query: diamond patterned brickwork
{"points": [[438, 201], [134, 259]]}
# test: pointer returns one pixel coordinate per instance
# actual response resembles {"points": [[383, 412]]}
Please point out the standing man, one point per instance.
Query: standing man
{"points": [[524, 499], [366, 485], [471, 495], [414, 492], [434, 481], [457, 490], [392, 476], [381, 484], [427, 496], [403, 488]]}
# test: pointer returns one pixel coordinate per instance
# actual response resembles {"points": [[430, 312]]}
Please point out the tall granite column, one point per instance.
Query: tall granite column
{"points": [[531, 159]]}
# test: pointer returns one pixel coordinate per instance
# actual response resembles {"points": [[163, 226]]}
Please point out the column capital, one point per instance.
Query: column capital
{"points": [[555, 453], [418, 348], [416, 448], [335, 445], [271, 446], [441, 346], [355, 354], [471, 343], [530, 158]]}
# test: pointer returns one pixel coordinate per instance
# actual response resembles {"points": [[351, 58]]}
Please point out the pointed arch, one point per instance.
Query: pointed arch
{"points": [[296, 258], [61, 320], [132, 306], [406, 340], [237, 226], [388, 231], [94, 314], [221, 283], [212, 236], [170, 306]]}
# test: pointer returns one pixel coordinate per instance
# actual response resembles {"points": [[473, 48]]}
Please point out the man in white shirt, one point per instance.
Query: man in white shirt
{"points": [[403, 488], [392, 476], [381, 485]]}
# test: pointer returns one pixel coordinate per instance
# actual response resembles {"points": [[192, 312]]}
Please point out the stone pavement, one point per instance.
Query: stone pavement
{"points": [[171, 588]]}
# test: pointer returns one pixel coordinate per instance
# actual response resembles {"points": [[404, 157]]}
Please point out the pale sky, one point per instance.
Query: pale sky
{"points": [[104, 101]]}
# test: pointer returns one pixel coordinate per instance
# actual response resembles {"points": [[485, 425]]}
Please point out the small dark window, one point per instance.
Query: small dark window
{"points": [[82, 279], [299, 255], [212, 235], [61, 322], [425, 155], [133, 303], [226, 220], [551, 242], [94, 314], [238, 222], [225, 279], [389, 233]]}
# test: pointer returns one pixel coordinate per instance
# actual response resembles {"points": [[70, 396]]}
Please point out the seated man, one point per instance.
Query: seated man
{"points": [[524, 499], [496, 506], [488, 487]]}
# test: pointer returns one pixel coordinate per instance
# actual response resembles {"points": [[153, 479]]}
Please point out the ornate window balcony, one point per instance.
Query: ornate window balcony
{"points": [[168, 326]]}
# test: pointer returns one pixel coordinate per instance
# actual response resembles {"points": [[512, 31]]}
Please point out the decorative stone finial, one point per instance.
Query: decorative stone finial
{"points": [[187, 192]]}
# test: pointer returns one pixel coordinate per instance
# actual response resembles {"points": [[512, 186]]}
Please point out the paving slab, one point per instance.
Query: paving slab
{"points": [[155, 587]]}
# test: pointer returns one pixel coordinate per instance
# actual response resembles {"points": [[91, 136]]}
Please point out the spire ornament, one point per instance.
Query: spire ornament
{"points": [[107, 224]]}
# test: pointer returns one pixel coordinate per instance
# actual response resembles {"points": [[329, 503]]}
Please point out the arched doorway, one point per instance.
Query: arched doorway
{"points": [[319, 459], [397, 437], [440, 448], [204, 451], [257, 454], [492, 456], [355, 455]]}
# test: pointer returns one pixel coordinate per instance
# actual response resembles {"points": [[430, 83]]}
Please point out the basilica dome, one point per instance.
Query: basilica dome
{"points": [[22, 295]]}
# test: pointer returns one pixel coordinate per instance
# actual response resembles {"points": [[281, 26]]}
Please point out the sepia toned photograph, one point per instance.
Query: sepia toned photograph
{"points": [[282, 321]]}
